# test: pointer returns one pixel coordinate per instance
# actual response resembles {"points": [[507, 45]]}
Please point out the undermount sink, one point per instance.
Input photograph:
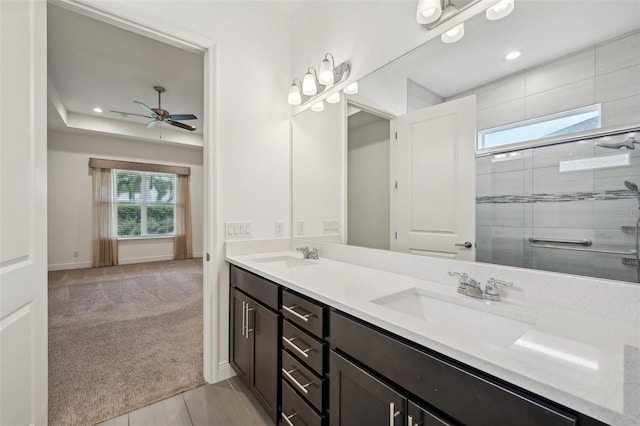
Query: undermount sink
{"points": [[286, 261], [500, 327]]}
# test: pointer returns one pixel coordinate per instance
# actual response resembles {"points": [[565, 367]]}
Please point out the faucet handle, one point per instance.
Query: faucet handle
{"points": [[491, 289], [462, 275]]}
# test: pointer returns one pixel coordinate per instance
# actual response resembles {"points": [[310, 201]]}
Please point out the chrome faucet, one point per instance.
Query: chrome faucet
{"points": [[471, 287], [468, 286], [309, 254]]}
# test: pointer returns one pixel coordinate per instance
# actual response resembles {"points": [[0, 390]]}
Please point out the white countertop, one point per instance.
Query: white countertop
{"points": [[586, 362]]}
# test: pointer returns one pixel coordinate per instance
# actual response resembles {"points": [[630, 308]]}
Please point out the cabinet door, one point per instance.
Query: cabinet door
{"points": [[263, 329], [241, 345], [357, 398], [418, 416]]}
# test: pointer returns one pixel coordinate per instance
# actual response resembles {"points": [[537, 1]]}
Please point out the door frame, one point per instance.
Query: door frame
{"points": [[186, 40]]}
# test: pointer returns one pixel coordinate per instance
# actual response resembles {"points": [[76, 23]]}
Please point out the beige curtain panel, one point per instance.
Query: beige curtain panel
{"points": [[182, 246], [105, 223]]}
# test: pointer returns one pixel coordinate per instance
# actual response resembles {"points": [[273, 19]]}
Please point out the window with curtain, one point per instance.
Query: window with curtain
{"points": [[146, 203]]}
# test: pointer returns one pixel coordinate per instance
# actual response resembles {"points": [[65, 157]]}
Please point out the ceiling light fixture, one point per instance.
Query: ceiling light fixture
{"points": [[513, 55], [500, 10], [314, 84], [295, 98], [428, 11], [98, 110], [351, 89], [334, 98]]}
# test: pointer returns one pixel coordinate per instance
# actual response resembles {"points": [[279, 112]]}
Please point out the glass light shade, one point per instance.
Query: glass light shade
{"points": [[318, 106], [453, 35], [309, 87], [513, 55], [500, 10], [294, 95], [334, 98], [351, 89], [325, 76], [428, 11]]}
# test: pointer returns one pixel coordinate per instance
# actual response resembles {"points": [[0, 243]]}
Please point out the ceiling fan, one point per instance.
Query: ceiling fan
{"points": [[159, 115]]}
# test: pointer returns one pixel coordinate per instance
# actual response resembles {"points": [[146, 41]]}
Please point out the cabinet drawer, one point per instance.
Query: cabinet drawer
{"points": [[303, 345], [296, 411], [303, 380], [259, 288], [463, 394], [303, 312]]}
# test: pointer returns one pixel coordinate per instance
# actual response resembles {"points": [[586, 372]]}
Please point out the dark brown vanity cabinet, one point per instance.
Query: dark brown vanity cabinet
{"points": [[254, 336]]}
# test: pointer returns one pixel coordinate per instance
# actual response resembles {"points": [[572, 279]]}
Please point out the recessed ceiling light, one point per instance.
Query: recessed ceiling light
{"points": [[97, 109], [513, 55]]}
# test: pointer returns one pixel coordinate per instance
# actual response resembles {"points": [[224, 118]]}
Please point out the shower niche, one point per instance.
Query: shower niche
{"points": [[572, 207]]}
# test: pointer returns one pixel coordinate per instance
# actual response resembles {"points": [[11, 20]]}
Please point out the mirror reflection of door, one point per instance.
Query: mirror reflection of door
{"points": [[433, 206]]}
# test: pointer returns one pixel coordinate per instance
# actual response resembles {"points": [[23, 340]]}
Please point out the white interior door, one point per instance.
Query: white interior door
{"points": [[433, 206], [23, 212]]}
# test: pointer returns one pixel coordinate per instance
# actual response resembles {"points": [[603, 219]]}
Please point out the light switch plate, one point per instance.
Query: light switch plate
{"points": [[330, 227], [237, 230], [300, 228]]}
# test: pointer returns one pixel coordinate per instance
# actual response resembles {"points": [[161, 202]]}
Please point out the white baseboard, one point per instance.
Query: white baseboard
{"points": [[145, 259], [66, 266], [225, 372]]}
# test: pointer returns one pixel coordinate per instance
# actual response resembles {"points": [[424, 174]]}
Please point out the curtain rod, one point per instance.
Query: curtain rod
{"points": [[141, 167]]}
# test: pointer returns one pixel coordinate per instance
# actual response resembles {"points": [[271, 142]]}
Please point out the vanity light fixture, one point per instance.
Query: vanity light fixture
{"points": [[310, 82], [351, 89], [314, 84], [334, 98], [455, 33], [295, 98], [513, 55], [318, 106], [98, 110], [428, 11], [325, 76], [500, 10]]}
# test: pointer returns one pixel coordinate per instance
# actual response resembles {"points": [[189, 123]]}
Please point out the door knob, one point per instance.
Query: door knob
{"points": [[466, 244]]}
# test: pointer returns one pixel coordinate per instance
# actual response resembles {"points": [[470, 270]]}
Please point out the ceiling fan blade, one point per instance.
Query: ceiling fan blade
{"points": [[182, 117], [154, 123], [129, 113], [151, 112], [181, 125]]}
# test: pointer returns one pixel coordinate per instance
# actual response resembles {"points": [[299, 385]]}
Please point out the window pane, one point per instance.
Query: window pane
{"points": [[160, 188], [129, 218], [159, 219], [129, 185]]}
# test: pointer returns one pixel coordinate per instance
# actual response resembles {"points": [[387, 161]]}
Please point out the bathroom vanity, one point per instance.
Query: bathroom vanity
{"points": [[329, 342]]}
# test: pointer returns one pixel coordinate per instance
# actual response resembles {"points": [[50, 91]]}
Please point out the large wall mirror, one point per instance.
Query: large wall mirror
{"points": [[454, 150]]}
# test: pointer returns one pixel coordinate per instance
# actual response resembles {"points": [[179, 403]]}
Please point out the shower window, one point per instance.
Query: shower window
{"points": [[525, 132]]}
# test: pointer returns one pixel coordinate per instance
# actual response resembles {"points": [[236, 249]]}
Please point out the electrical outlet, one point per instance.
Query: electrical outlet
{"points": [[279, 229], [300, 228], [237, 230]]}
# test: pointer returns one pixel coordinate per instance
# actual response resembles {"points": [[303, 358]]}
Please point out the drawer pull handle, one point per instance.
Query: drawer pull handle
{"points": [[392, 413], [301, 351], [303, 388], [290, 309], [287, 419]]}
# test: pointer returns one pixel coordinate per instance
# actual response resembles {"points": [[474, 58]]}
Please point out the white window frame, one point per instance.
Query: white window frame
{"points": [[143, 205], [529, 143]]}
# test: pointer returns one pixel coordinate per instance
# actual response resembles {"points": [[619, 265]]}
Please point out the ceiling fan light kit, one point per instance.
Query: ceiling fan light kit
{"points": [[159, 115]]}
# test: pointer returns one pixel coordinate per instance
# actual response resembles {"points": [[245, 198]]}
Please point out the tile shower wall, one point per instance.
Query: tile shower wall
{"points": [[525, 194]]}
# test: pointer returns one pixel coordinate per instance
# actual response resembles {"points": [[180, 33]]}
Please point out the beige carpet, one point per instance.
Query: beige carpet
{"points": [[122, 337]]}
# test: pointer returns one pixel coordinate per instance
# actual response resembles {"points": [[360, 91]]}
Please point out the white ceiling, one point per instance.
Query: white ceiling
{"points": [[93, 64], [542, 30]]}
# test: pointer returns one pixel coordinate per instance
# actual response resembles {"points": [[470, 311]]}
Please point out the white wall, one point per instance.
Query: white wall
{"points": [[69, 196], [251, 115], [368, 185]]}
